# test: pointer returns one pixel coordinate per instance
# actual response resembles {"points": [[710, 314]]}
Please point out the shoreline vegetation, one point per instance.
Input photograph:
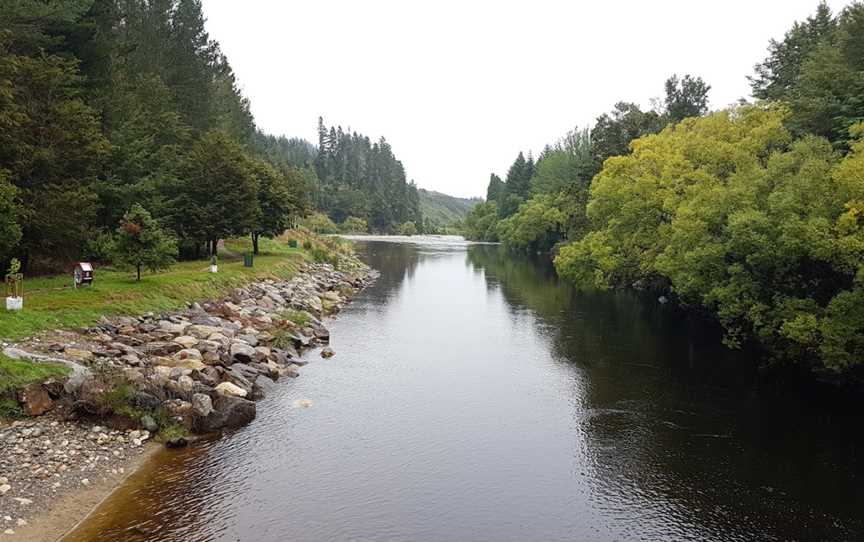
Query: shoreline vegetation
{"points": [[191, 359], [752, 214]]}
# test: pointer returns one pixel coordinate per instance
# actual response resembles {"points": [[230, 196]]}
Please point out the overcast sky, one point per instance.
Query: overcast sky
{"points": [[458, 88]]}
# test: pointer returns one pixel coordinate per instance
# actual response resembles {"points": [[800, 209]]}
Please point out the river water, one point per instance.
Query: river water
{"points": [[474, 397]]}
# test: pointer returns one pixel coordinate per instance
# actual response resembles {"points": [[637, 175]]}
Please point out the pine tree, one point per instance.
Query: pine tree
{"points": [[495, 188], [141, 242]]}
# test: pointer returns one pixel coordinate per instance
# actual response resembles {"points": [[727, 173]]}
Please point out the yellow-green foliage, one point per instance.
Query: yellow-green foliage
{"points": [[732, 214]]}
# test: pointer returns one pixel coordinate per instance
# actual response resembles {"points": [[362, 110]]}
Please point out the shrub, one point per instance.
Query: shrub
{"points": [[407, 228], [353, 224], [321, 223]]}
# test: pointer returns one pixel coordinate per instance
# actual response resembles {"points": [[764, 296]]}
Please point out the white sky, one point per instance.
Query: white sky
{"points": [[458, 88]]}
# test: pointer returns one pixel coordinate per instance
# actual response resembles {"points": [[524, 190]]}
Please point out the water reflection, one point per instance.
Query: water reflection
{"points": [[675, 419], [474, 397]]}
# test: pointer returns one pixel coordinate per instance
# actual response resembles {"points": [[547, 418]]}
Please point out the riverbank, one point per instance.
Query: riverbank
{"points": [[166, 376], [60, 471]]}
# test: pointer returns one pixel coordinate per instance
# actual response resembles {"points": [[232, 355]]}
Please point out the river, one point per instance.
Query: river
{"points": [[475, 397]]}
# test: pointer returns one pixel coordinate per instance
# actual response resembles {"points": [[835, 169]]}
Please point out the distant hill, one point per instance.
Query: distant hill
{"points": [[442, 210]]}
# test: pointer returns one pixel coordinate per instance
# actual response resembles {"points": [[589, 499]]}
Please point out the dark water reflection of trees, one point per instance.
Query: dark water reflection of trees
{"points": [[673, 416]]}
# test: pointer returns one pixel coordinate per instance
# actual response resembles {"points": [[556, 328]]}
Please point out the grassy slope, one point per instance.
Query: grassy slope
{"points": [[52, 302], [444, 209], [15, 374]]}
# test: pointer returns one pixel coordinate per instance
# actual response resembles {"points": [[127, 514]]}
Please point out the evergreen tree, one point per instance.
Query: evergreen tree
{"points": [[495, 188], [141, 242], [10, 231], [278, 203], [613, 132], [52, 148], [216, 195], [686, 97], [364, 180]]}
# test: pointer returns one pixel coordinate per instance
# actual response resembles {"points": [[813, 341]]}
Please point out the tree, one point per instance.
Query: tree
{"points": [[363, 179], [728, 212], [687, 97], [141, 242], [407, 228], [776, 76], [569, 162], [10, 232], [613, 132], [517, 186], [481, 222], [354, 224], [321, 223], [277, 204], [537, 226], [216, 195], [817, 69], [52, 149], [495, 188]]}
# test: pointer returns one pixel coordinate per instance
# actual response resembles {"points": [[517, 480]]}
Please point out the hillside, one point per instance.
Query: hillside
{"points": [[442, 210]]}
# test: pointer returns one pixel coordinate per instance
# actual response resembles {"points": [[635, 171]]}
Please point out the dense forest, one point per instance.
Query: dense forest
{"points": [[754, 214], [110, 104], [364, 180]]}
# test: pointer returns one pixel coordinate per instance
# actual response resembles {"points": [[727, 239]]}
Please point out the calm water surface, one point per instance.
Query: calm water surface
{"points": [[473, 397]]}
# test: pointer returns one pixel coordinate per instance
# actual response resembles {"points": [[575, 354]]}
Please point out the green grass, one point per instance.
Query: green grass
{"points": [[51, 302], [15, 373], [300, 318]]}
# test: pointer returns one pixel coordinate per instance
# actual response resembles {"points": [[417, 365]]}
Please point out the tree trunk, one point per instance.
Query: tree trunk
{"points": [[139, 271], [255, 243], [214, 246]]}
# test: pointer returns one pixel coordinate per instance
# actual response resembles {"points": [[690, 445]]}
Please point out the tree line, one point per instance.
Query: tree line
{"points": [[754, 214], [110, 105], [363, 180]]}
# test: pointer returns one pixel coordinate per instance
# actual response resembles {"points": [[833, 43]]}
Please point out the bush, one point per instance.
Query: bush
{"points": [[352, 224], [407, 228], [321, 223]]}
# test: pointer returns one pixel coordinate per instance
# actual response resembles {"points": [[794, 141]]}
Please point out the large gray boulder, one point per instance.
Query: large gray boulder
{"points": [[242, 352], [228, 412]]}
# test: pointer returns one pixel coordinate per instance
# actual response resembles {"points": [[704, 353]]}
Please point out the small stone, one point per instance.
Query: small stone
{"points": [[9, 532], [186, 341], [78, 354], [21, 522], [202, 404], [4, 489], [327, 352], [22, 501], [231, 390], [85, 482]]}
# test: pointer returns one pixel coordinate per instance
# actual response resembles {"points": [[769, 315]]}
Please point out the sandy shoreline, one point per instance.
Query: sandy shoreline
{"points": [[73, 508]]}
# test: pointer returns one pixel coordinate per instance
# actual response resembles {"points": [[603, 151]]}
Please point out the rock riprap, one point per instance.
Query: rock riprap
{"points": [[203, 366]]}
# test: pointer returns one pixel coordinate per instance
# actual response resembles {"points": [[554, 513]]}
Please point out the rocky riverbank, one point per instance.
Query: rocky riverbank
{"points": [[165, 376]]}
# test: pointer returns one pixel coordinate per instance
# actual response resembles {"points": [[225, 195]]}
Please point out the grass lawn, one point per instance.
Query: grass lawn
{"points": [[52, 302], [16, 374]]}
